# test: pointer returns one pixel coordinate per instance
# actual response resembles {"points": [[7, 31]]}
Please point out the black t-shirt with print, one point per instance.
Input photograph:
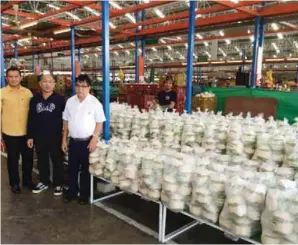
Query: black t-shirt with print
{"points": [[165, 98]]}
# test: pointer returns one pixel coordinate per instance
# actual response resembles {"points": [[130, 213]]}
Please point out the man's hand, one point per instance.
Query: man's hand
{"points": [[92, 144], [30, 143], [64, 146]]}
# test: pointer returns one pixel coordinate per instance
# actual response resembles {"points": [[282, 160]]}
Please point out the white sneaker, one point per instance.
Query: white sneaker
{"points": [[40, 187], [58, 191]]}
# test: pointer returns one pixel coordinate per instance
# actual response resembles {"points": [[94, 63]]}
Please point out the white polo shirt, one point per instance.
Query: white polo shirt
{"points": [[83, 116]]}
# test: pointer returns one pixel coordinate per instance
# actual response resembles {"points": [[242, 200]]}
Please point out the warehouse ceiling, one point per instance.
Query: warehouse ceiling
{"points": [[44, 26]]}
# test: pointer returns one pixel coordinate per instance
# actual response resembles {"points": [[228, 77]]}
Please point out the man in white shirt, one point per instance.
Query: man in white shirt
{"points": [[82, 121]]}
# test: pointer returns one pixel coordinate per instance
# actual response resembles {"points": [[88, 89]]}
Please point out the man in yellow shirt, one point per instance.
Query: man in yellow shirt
{"points": [[14, 113]]}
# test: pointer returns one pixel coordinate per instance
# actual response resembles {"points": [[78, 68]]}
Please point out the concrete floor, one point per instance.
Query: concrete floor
{"points": [[43, 218]]}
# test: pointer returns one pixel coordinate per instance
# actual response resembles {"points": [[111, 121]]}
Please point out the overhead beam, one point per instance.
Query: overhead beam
{"points": [[10, 4], [234, 6]]}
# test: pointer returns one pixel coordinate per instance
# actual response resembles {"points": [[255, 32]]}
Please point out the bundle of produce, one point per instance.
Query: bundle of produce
{"points": [[188, 136], [235, 144], [209, 140], [208, 194], [277, 144], [151, 174], [291, 159], [176, 185], [156, 124], [268, 166], [111, 164], [285, 173], [249, 139], [130, 159], [97, 158], [280, 217], [245, 200], [263, 151]]}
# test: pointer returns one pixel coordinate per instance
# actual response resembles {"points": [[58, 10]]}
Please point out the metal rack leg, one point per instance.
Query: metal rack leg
{"points": [[91, 188], [164, 223], [160, 222]]}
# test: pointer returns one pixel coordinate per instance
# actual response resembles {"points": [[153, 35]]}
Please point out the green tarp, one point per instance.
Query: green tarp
{"points": [[287, 101]]}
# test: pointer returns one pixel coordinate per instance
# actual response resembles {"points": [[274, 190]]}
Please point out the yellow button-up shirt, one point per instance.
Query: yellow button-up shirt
{"points": [[14, 110]]}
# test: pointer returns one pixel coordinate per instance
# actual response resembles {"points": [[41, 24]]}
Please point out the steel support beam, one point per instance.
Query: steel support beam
{"points": [[190, 50], [73, 60], [1, 56], [253, 75], [143, 39], [106, 66], [137, 38]]}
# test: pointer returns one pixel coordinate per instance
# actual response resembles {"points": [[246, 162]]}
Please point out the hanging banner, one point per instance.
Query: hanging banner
{"points": [[78, 68]]}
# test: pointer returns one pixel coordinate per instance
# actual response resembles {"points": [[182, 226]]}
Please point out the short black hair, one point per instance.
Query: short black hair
{"points": [[169, 78], [13, 68], [84, 78]]}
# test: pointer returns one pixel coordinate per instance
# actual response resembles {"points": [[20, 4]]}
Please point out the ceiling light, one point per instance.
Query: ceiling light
{"points": [[274, 56], [228, 41], [280, 35], [296, 44], [194, 55], [127, 52], [33, 23], [95, 55], [223, 53], [252, 38], [159, 13], [274, 26], [131, 44], [221, 33], [98, 49], [112, 25], [115, 5], [73, 16], [238, 50], [235, 1], [162, 41], [199, 16], [130, 17], [4, 18], [186, 45], [154, 49], [290, 55], [206, 44], [120, 46], [116, 53], [169, 47], [178, 38], [274, 45], [277, 51], [92, 11], [199, 36], [61, 31], [150, 60], [53, 6], [248, 31], [37, 11], [139, 50]]}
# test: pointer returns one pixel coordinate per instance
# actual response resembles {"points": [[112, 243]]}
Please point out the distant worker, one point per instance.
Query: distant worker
{"points": [[166, 98], [14, 114], [45, 133], [83, 118]]}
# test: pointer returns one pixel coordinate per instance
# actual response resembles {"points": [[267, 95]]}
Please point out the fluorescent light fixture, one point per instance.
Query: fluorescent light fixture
{"points": [[150, 60], [159, 13], [33, 23], [99, 49], [199, 36], [274, 56], [194, 55], [277, 51], [292, 59], [235, 1], [120, 46], [53, 6], [139, 50], [127, 51], [206, 44], [223, 53], [116, 53], [73, 16], [228, 41], [274, 26], [296, 44], [274, 59], [274, 46], [115, 5], [288, 24], [186, 45], [162, 41], [169, 47], [280, 35], [37, 11], [217, 62], [290, 55], [178, 38], [112, 25], [130, 17], [92, 11], [131, 44], [238, 50], [248, 31], [199, 16], [4, 18], [221, 33], [209, 55], [61, 31], [95, 55], [252, 38], [154, 49]]}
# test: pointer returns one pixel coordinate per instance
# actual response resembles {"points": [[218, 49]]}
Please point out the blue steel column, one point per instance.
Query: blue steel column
{"points": [[16, 49], [190, 50], [106, 66], [73, 60], [253, 75], [137, 51], [1, 56], [243, 58], [143, 39]]}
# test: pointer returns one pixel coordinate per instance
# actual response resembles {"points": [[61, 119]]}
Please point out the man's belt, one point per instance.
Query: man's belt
{"points": [[81, 139]]}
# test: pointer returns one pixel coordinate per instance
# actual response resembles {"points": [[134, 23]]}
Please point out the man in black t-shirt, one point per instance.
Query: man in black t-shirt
{"points": [[167, 98]]}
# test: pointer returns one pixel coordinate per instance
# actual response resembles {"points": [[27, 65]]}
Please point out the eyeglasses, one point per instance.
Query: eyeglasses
{"points": [[81, 86]]}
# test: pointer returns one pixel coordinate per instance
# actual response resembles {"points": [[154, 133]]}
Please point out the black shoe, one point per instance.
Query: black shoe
{"points": [[58, 191], [83, 200], [16, 189], [40, 187], [67, 198]]}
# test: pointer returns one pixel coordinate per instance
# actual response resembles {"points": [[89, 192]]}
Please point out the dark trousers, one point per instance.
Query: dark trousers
{"points": [[47, 148], [78, 156], [16, 145]]}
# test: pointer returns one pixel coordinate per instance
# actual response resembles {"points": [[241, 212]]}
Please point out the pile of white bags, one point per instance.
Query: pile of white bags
{"points": [[235, 144], [111, 164], [280, 218], [176, 185], [97, 159]]}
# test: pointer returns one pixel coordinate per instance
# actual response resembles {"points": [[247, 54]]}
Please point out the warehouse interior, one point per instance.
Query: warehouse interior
{"points": [[215, 51]]}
